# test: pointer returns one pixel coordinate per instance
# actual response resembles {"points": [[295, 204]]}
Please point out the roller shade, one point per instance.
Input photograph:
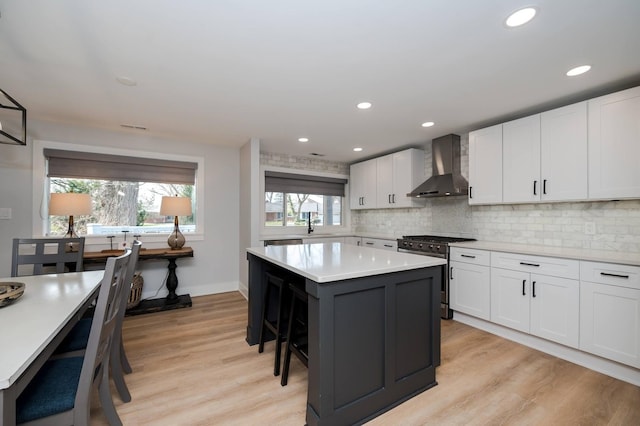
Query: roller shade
{"points": [[303, 184], [88, 165]]}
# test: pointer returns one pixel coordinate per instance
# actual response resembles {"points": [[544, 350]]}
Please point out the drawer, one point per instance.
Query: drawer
{"points": [[553, 266], [391, 245], [610, 273], [476, 257]]}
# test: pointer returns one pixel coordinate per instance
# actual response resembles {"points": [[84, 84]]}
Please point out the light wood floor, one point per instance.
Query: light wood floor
{"points": [[193, 367]]}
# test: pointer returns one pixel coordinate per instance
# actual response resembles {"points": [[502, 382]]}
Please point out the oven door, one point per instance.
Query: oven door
{"points": [[445, 312]]}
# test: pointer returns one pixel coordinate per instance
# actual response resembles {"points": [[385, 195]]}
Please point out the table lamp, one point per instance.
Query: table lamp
{"points": [[69, 204], [175, 206]]}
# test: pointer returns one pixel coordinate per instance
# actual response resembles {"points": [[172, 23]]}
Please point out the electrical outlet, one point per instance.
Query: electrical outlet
{"points": [[5, 213], [590, 228]]}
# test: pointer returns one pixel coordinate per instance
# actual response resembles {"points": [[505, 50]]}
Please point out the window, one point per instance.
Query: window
{"points": [[126, 191], [294, 200]]}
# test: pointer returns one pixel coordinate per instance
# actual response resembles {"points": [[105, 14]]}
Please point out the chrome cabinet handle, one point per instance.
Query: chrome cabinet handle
{"points": [[533, 294], [535, 187], [467, 255], [529, 264], [524, 282]]}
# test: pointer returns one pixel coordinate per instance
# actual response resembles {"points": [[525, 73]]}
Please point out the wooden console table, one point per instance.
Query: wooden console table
{"points": [[172, 301]]}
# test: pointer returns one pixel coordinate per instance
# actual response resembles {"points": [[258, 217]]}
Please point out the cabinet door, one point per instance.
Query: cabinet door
{"points": [[363, 185], [610, 322], [563, 153], [614, 145], [470, 289], [485, 165], [555, 309], [408, 173], [384, 175], [510, 291], [521, 160]]}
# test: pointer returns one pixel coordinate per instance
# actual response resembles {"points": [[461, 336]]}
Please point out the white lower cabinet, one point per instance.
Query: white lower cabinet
{"points": [[469, 289], [532, 302], [470, 282], [610, 311]]}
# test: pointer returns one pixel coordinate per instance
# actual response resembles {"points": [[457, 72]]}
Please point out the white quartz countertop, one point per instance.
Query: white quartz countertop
{"points": [[563, 252], [327, 262]]}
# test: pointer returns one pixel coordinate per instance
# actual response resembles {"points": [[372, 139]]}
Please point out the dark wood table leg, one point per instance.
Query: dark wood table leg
{"points": [[172, 282]]}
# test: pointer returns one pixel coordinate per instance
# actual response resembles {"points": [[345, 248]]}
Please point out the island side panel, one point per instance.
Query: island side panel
{"points": [[373, 343]]}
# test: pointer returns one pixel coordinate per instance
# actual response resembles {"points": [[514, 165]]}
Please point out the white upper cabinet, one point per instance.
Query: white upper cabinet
{"points": [[384, 182], [398, 174], [521, 160], [614, 145], [362, 187], [485, 165], [545, 156], [563, 153]]}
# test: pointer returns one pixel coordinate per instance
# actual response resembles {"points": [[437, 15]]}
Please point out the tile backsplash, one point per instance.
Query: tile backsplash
{"points": [[616, 223]]}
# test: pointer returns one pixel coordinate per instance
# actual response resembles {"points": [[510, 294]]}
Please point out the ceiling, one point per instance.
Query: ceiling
{"points": [[224, 71]]}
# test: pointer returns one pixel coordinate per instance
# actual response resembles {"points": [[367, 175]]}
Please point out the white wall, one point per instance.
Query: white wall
{"points": [[213, 269], [250, 199]]}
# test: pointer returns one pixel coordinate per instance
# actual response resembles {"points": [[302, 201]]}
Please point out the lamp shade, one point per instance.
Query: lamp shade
{"points": [[69, 204], [175, 206]]}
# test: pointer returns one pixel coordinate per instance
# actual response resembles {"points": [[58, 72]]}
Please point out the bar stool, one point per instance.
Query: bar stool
{"points": [[277, 325], [297, 331]]}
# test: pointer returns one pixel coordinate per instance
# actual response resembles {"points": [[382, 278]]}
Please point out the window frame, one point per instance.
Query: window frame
{"points": [[270, 231], [41, 187]]}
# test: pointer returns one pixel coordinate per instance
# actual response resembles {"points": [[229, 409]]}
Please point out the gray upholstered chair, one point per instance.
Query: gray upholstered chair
{"points": [[76, 341], [37, 256], [60, 393]]}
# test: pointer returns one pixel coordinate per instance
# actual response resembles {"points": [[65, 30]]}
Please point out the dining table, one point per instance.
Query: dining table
{"points": [[33, 325]]}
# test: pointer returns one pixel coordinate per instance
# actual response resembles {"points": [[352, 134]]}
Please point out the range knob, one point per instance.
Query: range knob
{"points": [[431, 246], [420, 245]]}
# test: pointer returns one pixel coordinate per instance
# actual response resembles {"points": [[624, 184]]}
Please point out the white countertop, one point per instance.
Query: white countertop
{"points": [[563, 252], [327, 262]]}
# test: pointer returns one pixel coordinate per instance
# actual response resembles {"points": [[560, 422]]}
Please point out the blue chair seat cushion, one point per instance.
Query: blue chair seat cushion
{"points": [[77, 338], [52, 390]]}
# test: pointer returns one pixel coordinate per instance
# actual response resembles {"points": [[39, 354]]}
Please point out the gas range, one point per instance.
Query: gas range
{"points": [[435, 246], [430, 245]]}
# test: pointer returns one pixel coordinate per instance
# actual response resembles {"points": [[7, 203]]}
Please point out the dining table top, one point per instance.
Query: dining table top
{"points": [[33, 320]]}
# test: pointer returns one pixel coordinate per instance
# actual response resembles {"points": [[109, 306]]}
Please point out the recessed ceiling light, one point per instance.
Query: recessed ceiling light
{"points": [[428, 124], [126, 81], [578, 70], [364, 105], [520, 17], [303, 139], [357, 149]]}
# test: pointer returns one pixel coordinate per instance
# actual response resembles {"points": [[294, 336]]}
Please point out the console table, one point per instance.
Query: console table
{"points": [[172, 301]]}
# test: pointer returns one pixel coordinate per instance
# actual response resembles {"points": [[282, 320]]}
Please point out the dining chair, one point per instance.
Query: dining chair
{"points": [[46, 255], [76, 341], [60, 393]]}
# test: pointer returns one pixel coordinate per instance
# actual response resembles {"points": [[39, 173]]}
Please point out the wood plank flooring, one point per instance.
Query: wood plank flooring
{"points": [[193, 367]]}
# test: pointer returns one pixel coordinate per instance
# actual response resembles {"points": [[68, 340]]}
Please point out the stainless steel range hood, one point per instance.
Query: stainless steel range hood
{"points": [[446, 179]]}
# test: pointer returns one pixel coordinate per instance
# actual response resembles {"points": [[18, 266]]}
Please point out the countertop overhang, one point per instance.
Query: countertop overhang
{"points": [[328, 262]]}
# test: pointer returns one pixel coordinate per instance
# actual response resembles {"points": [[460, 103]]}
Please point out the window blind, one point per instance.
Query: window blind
{"points": [[303, 184], [89, 165]]}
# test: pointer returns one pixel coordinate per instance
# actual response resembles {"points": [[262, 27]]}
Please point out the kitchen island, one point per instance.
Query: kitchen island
{"points": [[374, 324]]}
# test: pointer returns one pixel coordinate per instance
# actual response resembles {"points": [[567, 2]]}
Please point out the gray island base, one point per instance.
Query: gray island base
{"points": [[374, 340]]}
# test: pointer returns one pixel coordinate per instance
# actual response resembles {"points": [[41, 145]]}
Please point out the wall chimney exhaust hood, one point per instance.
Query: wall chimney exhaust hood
{"points": [[446, 179]]}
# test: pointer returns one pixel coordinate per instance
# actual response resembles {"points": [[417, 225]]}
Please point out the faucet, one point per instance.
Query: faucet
{"points": [[309, 228]]}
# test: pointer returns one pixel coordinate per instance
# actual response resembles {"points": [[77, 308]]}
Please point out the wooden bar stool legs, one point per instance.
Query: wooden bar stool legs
{"points": [[297, 331], [274, 325]]}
